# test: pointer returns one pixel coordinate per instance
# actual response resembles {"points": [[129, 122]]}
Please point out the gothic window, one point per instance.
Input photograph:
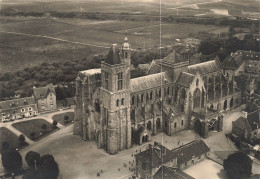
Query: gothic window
{"points": [[175, 125], [122, 101], [176, 94], [182, 122], [120, 81], [133, 100], [160, 93], [196, 98], [168, 90], [126, 55], [97, 106], [151, 95], [117, 102], [203, 98], [106, 80]]}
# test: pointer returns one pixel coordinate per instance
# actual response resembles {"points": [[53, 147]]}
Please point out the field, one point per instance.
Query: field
{"points": [[35, 125], [30, 41], [60, 118], [7, 136]]}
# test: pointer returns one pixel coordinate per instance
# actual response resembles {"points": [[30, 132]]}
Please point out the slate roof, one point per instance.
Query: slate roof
{"points": [[14, 103], [149, 81], [42, 92], [113, 56], [91, 71], [185, 79], [253, 119], [187, 151], [204, 68], [153, 156], [242, 123], [170, 173]]}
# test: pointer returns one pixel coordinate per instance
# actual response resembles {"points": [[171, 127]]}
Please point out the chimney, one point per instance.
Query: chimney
{"points": [[244, 114]]}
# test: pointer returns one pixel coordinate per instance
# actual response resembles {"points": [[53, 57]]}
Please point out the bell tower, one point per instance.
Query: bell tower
{"points": [[115, 94]]}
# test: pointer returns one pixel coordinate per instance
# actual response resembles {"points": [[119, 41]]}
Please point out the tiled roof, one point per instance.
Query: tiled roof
{"points": [[204, 68], [185, 79], [113, 56], [170, 173], [42, 92], [243, 123], [14, 103], [149, 81], [186, 152], [155, 156], [253, 119]]}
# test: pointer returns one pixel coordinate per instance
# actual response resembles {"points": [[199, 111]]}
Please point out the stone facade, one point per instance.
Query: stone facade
{"points": [[116, 111]]}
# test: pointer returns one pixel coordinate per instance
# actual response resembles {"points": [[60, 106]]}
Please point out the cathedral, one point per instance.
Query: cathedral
{"points": [[117, 111]]}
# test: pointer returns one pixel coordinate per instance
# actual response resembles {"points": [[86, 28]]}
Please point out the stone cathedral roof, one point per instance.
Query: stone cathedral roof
{"points": [[149, 81], [185, 79], [204, 68]]}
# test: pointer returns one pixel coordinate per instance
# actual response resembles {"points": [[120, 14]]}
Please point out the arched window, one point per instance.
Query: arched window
{"points": [[160, 93], [182, 122], [151, 95], [168, 90], [117, 102], [133, 100], [175, 124], [142, 98], [122, 101], [196, 98], [97, 106], [126, 55], [176, 94]]}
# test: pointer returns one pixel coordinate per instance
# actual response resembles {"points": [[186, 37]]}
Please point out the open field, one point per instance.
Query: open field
{"points": [[60, 118], [7, 136], [35, 125], [30, 41]]}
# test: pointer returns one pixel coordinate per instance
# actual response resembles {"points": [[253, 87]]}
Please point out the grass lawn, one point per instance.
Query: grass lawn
{"points": [[60, 118], [35, 125], [7, 136]]}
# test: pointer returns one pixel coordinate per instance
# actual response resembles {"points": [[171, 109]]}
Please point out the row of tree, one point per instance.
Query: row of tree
{"points": [[40, 167]]}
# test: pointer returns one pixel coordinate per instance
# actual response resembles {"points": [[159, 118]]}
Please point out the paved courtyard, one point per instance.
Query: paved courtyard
{"points": [[206, 169]]}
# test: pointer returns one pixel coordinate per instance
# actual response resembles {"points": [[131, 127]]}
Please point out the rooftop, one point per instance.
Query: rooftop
{"points": [[204, 68], [14, 103], [91, 71], [185, 79]]}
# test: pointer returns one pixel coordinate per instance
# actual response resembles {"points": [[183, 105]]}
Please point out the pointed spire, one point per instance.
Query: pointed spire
{"points": [[113, 56]]}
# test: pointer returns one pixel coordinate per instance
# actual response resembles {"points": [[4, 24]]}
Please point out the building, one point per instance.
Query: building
{"points": [[237, 13], [247, 126], [45, 98], [18, 108], [151, 162], [169, 173], [115, 110]]}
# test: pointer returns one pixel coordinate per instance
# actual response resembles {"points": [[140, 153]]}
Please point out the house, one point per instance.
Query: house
{"points": [[170, 173], [191, 153], [18, 108], [237, 13], [45, 98], [148, 162], [157, 161], [247, 126]]}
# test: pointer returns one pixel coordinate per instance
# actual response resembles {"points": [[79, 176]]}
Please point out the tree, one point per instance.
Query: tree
{"points": [[66, 117], [12, 160], [31, 174], [32, 158], [48, 167], [21, 138], [238, 165], [32, 134], [54, 123]]}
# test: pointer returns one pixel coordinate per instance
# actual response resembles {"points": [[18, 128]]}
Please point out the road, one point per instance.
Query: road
{"points": [[54, 38]]}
